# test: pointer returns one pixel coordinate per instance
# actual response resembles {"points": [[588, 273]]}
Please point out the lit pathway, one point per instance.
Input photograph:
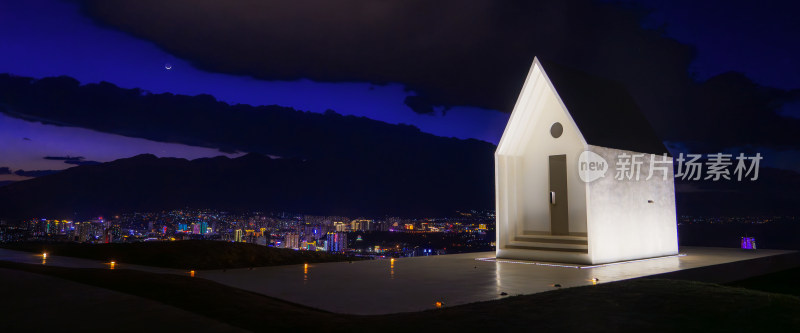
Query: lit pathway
{"points": [[413, 284]]}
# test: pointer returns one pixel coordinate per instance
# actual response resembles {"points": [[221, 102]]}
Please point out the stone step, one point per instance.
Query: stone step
{"points": [[577, 240], [549, 246]]}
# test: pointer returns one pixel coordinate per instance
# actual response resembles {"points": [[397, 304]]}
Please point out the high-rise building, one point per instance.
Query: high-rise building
{"points": [[237, 236], [86, 231], [360, 225], [291, 241], [337, 241]]}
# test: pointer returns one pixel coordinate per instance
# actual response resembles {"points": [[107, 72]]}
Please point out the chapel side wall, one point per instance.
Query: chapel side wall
{"points": [[622, 222]]}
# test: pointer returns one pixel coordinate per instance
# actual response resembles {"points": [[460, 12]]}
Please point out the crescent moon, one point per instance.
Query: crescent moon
{"points": [[168, 66]]}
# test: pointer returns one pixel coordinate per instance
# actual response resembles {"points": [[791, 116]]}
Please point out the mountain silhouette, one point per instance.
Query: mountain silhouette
{"points": [[328, 163], [249, 183]]}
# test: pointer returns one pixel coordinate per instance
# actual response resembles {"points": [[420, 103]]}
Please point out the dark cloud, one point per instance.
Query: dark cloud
{"points": [[364, 153], [203, 121], [82, 162], [730, 110], [74, 160], [5, 171], [63, 158], [419, 104], [6, 182], [35, 173], [451, 52]]}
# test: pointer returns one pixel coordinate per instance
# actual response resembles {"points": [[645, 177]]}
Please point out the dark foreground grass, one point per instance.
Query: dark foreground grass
{"points": [[783, 282], [189, 254], [642, 305]]}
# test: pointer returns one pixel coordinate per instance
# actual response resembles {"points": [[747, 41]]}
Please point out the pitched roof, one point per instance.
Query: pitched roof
{"points": [[605, 113]]}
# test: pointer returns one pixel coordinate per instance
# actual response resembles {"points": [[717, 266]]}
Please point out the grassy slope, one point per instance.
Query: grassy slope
{"points": [[192, 254], [635, 306], [784, 282]]}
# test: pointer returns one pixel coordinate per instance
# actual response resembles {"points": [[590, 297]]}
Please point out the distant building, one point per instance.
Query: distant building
{"points": [[86, 231], [336, 241], [199, 228], [291, 241], [237, 235], [360, 225]]}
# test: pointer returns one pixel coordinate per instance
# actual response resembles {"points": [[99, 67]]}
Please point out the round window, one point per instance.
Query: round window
{"points": [[556, 130]]}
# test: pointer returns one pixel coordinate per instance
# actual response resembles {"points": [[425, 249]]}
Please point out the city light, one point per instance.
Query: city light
{"points": [[371, 237], [748, 243]]}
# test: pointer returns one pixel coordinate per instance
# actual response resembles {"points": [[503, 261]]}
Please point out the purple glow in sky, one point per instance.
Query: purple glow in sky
{"points": [[42, 38], [25, 144], [744, 36]]}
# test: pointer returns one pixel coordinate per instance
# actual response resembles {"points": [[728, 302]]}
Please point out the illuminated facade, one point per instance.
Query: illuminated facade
{"points": [[557, 195], [336, 241], [291, 241]]}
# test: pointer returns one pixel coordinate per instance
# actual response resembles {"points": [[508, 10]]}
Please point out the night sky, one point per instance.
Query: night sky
{"points": [[468, 63]]}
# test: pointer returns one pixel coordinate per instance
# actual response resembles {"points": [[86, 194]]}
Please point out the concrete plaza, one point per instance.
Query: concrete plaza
{"points": [[414, 284]]}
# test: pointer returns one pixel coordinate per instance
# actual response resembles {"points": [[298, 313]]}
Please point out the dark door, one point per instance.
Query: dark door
{"points": [[559, 212]]}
